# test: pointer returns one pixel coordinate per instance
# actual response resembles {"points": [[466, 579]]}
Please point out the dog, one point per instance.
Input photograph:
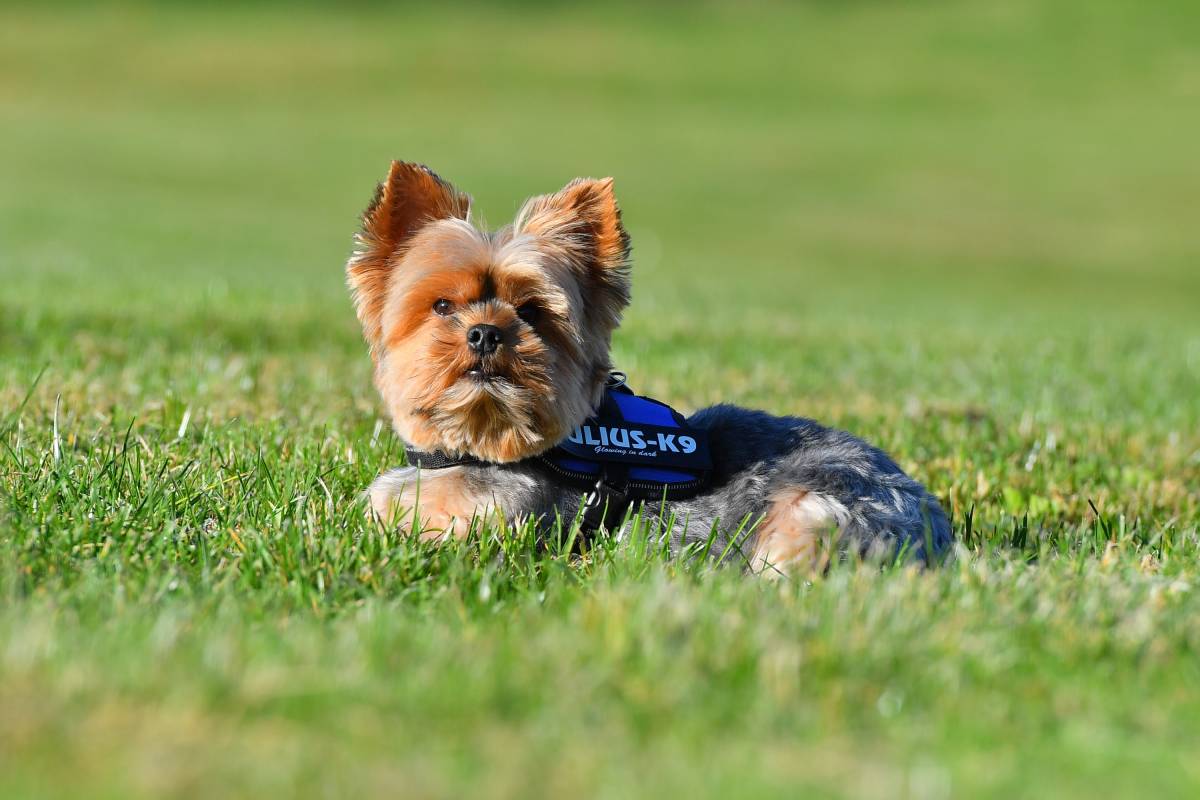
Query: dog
{"points": [[491, 354]]}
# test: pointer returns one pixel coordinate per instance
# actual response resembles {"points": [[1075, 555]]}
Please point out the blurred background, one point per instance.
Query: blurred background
{"points": [[997, 155]]}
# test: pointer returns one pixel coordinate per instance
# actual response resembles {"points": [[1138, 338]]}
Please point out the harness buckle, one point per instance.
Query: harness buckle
{"points": [[615, 380], [605, 504]]}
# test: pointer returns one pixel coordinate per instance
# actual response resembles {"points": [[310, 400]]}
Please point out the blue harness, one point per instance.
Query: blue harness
{"points": [[633, 449]]}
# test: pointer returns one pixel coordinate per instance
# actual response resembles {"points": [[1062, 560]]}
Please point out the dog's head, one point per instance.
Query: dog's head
{"points": [[493, 344]]}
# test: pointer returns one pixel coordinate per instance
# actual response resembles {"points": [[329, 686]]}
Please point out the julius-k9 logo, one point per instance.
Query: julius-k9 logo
{"points": [[626, 438], [638, 443]]}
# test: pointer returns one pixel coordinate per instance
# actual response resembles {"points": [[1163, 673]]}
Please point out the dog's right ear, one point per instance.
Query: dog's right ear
{"points": [[409, 198]]}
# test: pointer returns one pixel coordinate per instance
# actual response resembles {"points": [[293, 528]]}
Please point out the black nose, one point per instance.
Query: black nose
{"points": [[484, 339]]}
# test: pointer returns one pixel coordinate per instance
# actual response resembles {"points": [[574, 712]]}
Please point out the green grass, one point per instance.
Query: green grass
{"points": [[965, 231]]}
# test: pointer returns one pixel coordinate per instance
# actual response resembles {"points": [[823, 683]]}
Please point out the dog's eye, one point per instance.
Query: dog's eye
{"points": [[529, 313], [442, 307]]}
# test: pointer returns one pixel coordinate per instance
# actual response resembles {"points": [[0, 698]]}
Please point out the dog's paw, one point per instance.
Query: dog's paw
{"points": [[434, 505], [386, 494]]}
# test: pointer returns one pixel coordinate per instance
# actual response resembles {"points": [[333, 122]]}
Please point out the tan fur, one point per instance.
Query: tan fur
{"points": [[437, 504], [410, 197], [566, 255], [792, 534], [584, 216]]}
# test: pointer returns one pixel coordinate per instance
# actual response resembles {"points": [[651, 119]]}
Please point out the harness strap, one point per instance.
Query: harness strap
{"points": [[609, 473], [604, 503], [436, 459]]}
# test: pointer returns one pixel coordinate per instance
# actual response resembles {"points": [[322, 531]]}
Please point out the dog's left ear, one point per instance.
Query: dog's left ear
{"points": [[584, 220]]}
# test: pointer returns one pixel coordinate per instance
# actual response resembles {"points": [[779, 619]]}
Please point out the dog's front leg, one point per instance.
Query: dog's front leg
{"points": [[432, 503]]}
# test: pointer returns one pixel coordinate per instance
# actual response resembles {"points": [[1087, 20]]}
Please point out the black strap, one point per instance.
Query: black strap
{"points": [[436, 459]]}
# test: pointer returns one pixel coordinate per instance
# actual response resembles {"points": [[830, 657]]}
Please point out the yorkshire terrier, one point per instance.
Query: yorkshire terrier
{"points": [[491, 353]]}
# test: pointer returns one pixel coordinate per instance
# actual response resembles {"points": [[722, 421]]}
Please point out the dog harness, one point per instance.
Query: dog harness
{"points": [[632, 450]]}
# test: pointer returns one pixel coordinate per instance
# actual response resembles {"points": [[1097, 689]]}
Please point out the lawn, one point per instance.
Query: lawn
{"points": [[964, 231]]}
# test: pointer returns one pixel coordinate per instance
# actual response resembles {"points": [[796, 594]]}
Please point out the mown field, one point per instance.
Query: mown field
{"points": [[965, 231]]}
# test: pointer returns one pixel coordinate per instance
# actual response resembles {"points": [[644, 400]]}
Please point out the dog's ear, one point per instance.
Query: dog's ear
{"points": [[584, 219], [409, 198]]}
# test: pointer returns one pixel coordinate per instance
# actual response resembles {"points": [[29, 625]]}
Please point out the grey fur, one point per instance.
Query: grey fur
{"points": [[756, 455]]}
